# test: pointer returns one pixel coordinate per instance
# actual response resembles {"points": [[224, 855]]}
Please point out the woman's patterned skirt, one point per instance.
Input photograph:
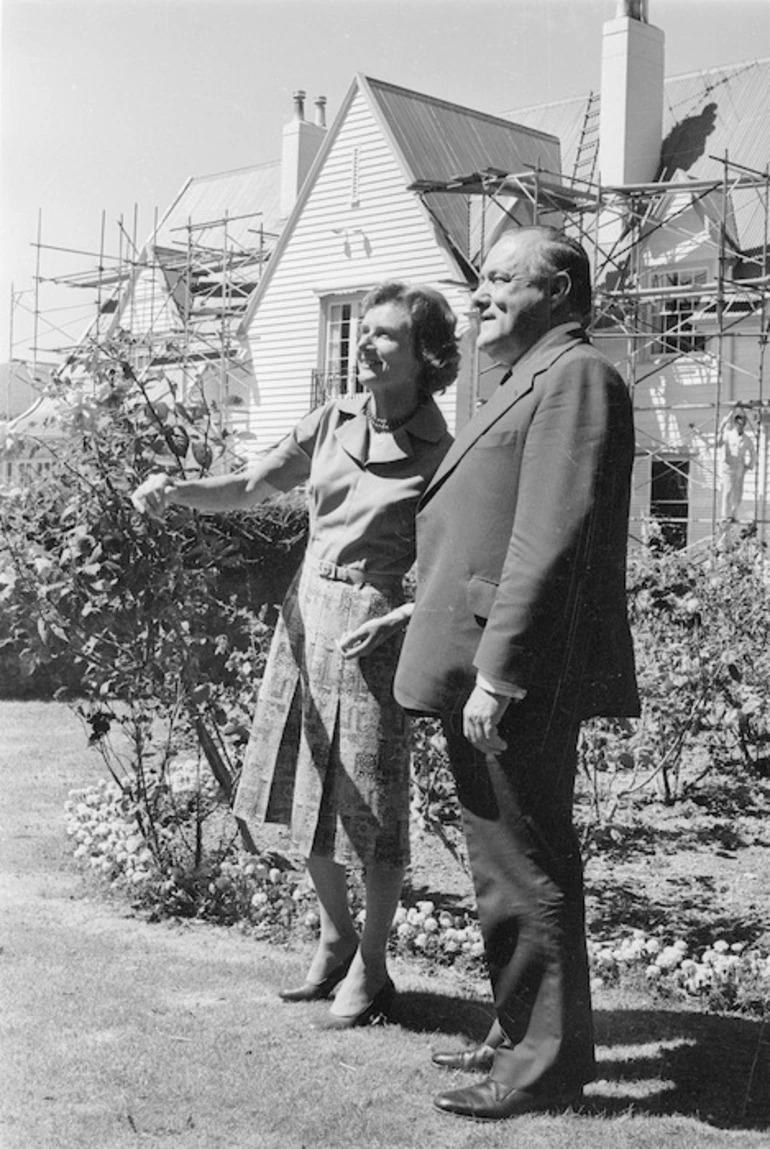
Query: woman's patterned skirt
{"points": [[329, 754]]}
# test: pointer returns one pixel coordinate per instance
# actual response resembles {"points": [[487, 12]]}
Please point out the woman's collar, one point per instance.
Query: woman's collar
{"points": [[367, 446]]}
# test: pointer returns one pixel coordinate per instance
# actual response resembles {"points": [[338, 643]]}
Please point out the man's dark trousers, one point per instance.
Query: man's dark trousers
{"points": [[528, 876]]}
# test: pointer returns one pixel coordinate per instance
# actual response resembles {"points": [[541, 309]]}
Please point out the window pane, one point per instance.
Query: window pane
{"points": [[669, 498]]}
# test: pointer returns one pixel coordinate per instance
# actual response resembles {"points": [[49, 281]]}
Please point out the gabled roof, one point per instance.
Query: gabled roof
{"points": [[706, 115], [249, 197], [433, 140], [440, 141]]}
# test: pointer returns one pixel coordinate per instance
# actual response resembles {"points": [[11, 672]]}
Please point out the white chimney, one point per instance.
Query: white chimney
{"points": [[631, 126], [301, 141]]}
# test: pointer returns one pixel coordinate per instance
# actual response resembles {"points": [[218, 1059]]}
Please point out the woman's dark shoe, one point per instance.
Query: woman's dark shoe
{"points": [[310, 991], [377, 1012], [476, 1060]]}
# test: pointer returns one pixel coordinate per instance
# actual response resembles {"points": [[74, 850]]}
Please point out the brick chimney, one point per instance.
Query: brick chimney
{"points": [[301, 141], [631, 126]]}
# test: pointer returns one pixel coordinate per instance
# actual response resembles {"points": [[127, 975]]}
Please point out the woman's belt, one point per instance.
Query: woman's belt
{"points": [[356, 576]]}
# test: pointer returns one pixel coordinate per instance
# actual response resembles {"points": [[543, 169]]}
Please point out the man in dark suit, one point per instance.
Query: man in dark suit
{"points": [[519, 632]]}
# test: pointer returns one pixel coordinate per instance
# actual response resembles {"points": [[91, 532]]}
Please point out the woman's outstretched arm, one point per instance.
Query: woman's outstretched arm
{"points": [[217, 493]]}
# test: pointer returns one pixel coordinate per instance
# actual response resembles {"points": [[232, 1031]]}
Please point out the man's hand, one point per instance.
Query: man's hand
{"points": [[482, 712]]}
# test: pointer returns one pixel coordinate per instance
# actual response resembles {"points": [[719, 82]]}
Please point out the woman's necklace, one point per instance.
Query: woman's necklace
{"points": [[380, 425]]}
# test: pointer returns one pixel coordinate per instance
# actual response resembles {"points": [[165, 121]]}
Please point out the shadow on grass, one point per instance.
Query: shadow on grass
{"points": [[624, 906], [715, 1069]]}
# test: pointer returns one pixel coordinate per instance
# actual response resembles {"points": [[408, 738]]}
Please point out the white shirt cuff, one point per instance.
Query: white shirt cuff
{"points": [[497, 686]]}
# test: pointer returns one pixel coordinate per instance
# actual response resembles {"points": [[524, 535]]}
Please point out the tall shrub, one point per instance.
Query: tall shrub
{"points": [[161, 626]]}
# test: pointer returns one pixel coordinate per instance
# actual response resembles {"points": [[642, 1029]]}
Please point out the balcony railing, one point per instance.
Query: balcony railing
{"points": [[326, 385]]}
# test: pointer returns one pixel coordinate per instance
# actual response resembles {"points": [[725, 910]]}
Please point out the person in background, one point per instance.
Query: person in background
{"points": [[519, 632], [329, 754], [737, 454]]}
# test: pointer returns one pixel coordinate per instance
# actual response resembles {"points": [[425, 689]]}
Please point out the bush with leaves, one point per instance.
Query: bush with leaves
{"points": [[165, 624], [701, 625]]}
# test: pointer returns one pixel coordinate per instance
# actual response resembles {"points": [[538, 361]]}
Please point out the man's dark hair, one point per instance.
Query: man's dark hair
{"points": [[433, 326], [559, 252]]}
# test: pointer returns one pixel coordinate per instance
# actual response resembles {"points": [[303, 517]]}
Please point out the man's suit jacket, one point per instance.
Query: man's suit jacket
{"points": [[521, 542]]}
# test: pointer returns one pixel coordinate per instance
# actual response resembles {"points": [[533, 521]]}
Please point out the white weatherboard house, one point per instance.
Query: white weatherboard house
{"points": [[356, 222], [251, 285]]}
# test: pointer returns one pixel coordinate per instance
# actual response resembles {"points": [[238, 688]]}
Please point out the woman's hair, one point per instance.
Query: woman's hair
{"points": [[433, 324]]}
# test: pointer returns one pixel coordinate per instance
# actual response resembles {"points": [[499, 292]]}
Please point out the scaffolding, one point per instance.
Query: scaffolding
{"points": [[656, 323], [171, 308], [180, 299]]}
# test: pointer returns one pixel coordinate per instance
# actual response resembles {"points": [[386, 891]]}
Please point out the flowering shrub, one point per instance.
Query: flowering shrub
{"points": [[160, 629], [434, 806], [442, 935], [701, 626], [269, 898], [725, 976], [226, 885]]}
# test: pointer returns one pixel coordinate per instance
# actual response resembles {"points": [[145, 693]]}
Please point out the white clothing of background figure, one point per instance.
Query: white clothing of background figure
{"points": [[736, 454]]}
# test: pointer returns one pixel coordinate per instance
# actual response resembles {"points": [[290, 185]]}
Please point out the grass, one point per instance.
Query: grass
{"points": [[120, 1033]]}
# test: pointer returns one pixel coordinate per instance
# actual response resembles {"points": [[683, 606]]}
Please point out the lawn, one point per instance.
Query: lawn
{"points": [[118, 1032]]}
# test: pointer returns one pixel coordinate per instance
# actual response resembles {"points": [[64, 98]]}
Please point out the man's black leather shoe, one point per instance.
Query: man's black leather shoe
{"points": [[493, 1101], [476, 1060]]}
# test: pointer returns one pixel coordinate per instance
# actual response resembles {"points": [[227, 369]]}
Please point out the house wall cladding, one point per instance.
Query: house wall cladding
{"points": [[339, 246]]}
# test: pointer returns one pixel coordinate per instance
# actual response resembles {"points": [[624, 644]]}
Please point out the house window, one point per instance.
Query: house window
{"points": [[673, 314], [338, 375], [669, 499]]}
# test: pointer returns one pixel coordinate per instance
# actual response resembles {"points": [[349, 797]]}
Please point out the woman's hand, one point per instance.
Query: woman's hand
{"points": [[371, 634], [152, 497]]}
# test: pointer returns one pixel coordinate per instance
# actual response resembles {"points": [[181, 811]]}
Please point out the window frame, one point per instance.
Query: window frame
{"points": [[674, 527], [336, 374], [671, 327]]}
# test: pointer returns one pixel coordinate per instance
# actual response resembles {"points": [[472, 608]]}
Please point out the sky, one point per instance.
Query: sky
{"points": [[109, 106]]}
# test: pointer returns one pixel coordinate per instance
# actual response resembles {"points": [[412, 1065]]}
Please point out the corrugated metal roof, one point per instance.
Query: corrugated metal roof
{"points": [[563, 118], [706, 114], [250, 197], [439, 141], [741, 122]]}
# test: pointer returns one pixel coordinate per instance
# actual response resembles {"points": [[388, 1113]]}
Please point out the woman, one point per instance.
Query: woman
{"points": [[328, 753]]}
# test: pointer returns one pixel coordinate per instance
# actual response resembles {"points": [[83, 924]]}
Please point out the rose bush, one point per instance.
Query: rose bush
{"points": [[160, 629]]}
